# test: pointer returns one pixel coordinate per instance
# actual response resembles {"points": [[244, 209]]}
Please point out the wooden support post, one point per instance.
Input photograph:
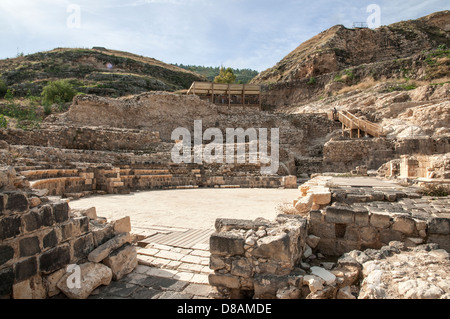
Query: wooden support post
{"points": [[229, 96]]}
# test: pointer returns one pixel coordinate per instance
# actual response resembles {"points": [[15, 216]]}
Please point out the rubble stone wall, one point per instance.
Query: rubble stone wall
{"points": [[39, 238], [345, 155]]}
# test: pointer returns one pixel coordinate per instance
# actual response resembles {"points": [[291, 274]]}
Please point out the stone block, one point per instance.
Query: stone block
{"points": [[312, 241], [32, 288], [50, 239], [122, 225], [29, 246], [361, 217], [242, 267], [91, 276], [91, 213], [25, 269], [321, 198], [52, 280], [267, 286], [54, 259], [46, 215], [83, 245], [327, 276], [102, 251], [6, 254], [17, 202], [103, 234], [82, 224], [274, 247], [439, 226], [380, 220], [226, 244], [339, 215], [122, 261], [9, 227], [404, 224], [216, 262], [224, 280], [6, 281], [304, 204], [61, 211], [388, 235]]}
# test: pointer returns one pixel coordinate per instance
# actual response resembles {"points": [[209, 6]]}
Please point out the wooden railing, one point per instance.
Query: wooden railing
{"points": [[351, 122]]}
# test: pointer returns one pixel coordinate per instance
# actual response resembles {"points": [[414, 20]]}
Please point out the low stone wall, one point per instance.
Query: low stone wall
{"points": [[42, 242], [345, 155], [83, 138], [245, 255]]}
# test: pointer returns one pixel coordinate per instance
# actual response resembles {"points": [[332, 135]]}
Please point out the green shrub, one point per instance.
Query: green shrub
{"points": [[3, 121], [312, 80], [59, 92], [3, 88]]}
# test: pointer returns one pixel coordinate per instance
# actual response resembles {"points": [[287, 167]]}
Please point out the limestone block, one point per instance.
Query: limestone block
{"points": [[290, 181], [288, 293], [380, 220], [224, 280], [304, 204], [226, 244], [92, 275], [314, 283], [273, 247], [339, 215], [312, 241], [32, 288], [267, 286], [345, 293], [52, 280], [122, 261], [91, 213], [404, 225], [322, 197], [242, 267], [102, 251], [122, 225], [327, 276]]}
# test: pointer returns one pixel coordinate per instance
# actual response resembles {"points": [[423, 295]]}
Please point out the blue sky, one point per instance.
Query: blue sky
{"points": [[252, 34]]}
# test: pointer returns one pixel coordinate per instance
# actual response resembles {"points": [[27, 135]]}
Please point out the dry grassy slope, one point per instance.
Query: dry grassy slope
{"points": [[87, 70], [339, 48]]}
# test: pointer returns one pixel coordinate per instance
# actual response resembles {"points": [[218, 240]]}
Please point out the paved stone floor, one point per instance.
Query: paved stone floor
{"points": [[178, 271]]}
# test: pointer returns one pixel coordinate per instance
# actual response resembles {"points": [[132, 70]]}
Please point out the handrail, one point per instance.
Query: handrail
{"points": [[353, 122]]}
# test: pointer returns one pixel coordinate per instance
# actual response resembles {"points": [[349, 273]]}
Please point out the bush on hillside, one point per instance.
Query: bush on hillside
{"points": [[59, 92]]}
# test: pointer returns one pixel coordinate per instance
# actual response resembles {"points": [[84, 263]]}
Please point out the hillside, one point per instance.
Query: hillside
{"points": [[340, 48], [93, 71]]}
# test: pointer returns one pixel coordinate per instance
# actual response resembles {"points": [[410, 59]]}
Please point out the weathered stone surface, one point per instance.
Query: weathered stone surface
{"points": [[32, 288], [92, 275], [122, 225], [224, 280], [226, 244], [6, 254], [327, 276], [404, 224], [242, 268], [304, 204], [52, 280], [274, 247], [312, 241], [339, 215], [6, 281], [267, 286], [122, 261], [54, 259], [102, 251]]}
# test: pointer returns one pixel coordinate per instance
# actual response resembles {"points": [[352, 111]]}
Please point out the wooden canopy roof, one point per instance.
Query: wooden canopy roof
{"points": [[207, 88]]}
